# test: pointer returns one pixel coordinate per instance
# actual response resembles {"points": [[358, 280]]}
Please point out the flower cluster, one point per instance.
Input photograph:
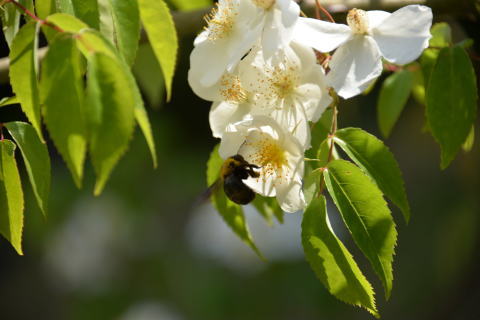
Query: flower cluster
{"points": [[256, 62]]}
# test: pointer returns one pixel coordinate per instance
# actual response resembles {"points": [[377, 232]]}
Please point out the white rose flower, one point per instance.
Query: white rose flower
{"points": [[399, 37], [261, 141], [290, 87]]}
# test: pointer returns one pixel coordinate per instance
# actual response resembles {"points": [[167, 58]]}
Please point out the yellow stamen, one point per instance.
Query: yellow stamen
{"points": [[358, 21], [221, 20]]}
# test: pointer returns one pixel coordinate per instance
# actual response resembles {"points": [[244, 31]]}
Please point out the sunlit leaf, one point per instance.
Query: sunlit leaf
{"points": [[11, 196], [87, 11], [468, 144], [65, 6], [418, 85], [36, 159], [331, 261], [106, 20], [110, 114], [366, 215], [441, 35], [67, 22], [8, 101], [63, 99], [10, 17], [126, 23], [161, 32], [451, 101], [370, 154], [23, 73], [185, 5], [311, 185], [231, 212], [44, 8], [98, 43], [392, 99]]}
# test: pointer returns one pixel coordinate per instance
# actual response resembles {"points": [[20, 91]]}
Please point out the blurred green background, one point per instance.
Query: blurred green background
{"points": [[144, 250]]}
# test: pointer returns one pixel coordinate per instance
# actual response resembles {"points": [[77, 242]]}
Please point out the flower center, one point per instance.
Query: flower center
{"points": [[358, 21], [283, 80], [269, 155], [221, 20], [231, 89], [265, 4]]}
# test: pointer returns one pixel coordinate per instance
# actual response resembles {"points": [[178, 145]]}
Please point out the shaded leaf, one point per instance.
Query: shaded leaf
{"points": [[370, 154], [320, 131], [11, 196], [87, 11], [268, 207], [63, 99], [231, 212], [65, 6], [98, 43], [161, 32], [418, 85], [392, 99], [441, 35], [110, 114], [23, 73], [149, 75], [311, 185], [451, 101], [44, 8], [126, 23], [366, 215], [8, 101], [331, 261], [186, 5], [106, 20], [468, 144], [36, 159], [10, 17]]}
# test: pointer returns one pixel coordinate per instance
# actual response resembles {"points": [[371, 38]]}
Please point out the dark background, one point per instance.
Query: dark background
{"points": [[143, 250]]}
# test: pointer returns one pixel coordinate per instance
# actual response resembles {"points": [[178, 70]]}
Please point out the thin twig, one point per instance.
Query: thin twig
{"points": [[34, 17]]}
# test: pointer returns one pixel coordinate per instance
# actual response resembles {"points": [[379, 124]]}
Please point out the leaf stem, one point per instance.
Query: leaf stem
{"points": [[1, 131], [33, 16]]}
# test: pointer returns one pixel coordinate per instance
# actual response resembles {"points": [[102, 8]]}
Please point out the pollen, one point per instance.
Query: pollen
{"points": [[358, 21], [220, 20], [231, 89], [269, 155], [265, 4], [282, 80]]}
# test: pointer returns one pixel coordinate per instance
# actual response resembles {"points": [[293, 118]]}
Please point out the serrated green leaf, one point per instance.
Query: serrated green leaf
{"points": [[67, 22], [451, 101], [63, 99], [268, 207], [8, 101], [10, 17], [468, 144], [99, 43], [441, 35], [366, 215], [331, 261], [36, 159], [161, 32], [126, 24], [87, 11], [370, 154], [110, 114], [23, 73], [231, 212], [186, 5], [11, 196], [392, 99]]}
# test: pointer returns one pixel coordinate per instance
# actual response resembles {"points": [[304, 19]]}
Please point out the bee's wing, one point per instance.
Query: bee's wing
{"points": [[204, 196]]}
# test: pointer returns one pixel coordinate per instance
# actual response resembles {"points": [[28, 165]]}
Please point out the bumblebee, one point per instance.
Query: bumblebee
{"points": [[234, 170]]}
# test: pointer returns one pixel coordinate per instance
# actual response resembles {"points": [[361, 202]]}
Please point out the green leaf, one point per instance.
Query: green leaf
{"points": [[8, 101], [87, 11], [65, 6], [268, 207], [186, 5], [110, 114], [392, 99], [161, 32], [36, 158], [331, 261], [67, 22], [311, 185], [106, 20], [63, 99], [320, 131], [370, 154], [468, 144], [10, 17], [231, 212], [44, 8], [441, 35], [418, 85], [99, 43], [23, 73], [11, 196], [366, 215], [126, 23], [149, 75], [451, 101], [427, 61]]}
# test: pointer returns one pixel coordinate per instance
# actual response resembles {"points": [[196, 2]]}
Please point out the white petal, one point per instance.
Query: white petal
{"points": [[294, 120], [223, 113], [290, 197], [376, 17], [321, 35], [232, 140], [315, 99], [354, 65], [202, 74], [403, 36], [279, 26]]}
